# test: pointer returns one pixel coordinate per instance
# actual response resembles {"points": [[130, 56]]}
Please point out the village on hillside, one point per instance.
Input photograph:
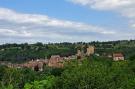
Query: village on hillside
{"points": [[56, 61]]}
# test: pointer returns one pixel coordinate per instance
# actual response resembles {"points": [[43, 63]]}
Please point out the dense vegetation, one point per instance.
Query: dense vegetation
{"points": [[24, 52], [92, 73]]}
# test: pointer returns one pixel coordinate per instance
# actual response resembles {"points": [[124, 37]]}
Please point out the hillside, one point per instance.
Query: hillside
{"points": [[25, 52]]}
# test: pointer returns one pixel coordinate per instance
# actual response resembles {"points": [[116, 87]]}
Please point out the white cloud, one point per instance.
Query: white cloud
{"points": [[34, 27], [14, 33], [133, 25], [106, 4], [42, 20], [124, 7]]}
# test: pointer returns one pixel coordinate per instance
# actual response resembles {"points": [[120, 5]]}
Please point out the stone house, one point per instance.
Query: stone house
{"points": [[118, 56], [36, 65], [90, 50], [56, 61]]}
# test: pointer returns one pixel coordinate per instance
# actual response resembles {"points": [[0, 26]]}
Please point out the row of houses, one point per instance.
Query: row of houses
{"points": [[55, 61], [58, 62]]}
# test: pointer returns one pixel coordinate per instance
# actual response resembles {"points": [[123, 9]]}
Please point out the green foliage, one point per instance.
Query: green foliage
{"points": [[88, 74], [92, 73], [7, 87], [23, 52], [44, 84], [97, 75]]}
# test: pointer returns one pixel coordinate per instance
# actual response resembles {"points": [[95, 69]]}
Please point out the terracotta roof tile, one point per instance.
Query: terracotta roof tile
{"points": [[118, 55]]}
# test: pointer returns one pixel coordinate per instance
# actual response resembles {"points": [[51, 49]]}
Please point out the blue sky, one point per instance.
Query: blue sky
{"points": [[63, 10], [66, 20]]}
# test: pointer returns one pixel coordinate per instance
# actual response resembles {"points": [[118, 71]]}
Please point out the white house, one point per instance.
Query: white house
{"points": [[118, 56]]}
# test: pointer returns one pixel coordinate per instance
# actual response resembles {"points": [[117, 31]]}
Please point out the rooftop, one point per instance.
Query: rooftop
{"points": [[118, 55]]}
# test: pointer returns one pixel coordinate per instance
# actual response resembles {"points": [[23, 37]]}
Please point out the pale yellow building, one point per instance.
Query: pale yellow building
{"points": [[90, 50]]}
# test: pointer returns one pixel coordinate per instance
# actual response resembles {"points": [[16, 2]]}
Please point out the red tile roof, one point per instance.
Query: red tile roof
{"points": [[118, 55]]}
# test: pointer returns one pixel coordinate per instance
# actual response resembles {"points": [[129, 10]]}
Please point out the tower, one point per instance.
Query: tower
{"points": [[90, 50], [80, 54]]}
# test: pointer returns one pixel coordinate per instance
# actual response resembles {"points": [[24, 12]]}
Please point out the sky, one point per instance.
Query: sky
{"points": [[66, 20]]}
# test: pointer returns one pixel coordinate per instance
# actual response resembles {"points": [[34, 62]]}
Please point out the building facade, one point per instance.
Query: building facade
{"points": [[90, 50], [56, 61], [118, 56]]}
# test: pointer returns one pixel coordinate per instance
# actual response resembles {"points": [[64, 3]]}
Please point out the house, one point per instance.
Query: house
{"points": [[56, 61], [118, 56], [80, 54], [90, 50], [36, 65]]}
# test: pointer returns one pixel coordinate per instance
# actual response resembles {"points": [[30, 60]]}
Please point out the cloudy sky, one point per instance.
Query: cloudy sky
{"points": [[66, 20]]}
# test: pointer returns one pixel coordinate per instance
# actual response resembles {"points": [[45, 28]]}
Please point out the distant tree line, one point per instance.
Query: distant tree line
{"points": [[24, 52]]}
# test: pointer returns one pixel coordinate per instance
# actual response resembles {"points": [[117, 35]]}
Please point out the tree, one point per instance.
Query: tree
{"points": [[48, 83]]}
